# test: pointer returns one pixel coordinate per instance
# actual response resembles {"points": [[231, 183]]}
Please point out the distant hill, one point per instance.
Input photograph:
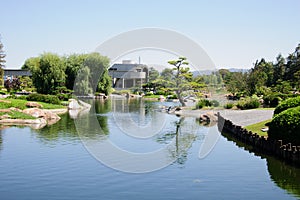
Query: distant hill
{"points": [[208, 72]]}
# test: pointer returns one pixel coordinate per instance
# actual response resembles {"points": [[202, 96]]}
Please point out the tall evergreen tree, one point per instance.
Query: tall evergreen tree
{"points": [[2, 62]]}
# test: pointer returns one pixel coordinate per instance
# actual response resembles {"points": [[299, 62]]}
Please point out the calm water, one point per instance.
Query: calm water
{"points": [[53, 163]]}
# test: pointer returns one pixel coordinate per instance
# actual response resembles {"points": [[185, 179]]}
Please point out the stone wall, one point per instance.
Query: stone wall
{"points": [[287, 152]]}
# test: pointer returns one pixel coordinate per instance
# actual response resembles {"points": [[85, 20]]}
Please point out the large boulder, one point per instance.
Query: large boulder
{"points": [[49, 116], [33, 105], [74, 105], [5, 116], [35, 112]]}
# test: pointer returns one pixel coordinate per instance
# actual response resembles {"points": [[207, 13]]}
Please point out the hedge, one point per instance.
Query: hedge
{"points": [[286, 104], [206, 103], [43, 98], [203, 103], [286, 126], [248, 103]]}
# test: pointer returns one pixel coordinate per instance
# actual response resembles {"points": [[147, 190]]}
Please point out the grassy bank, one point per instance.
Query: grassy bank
{"points": [[21, 104], [17, 115], [256, 128]]}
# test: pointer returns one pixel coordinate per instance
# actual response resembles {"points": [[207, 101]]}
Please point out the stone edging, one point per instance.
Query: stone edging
{"points": [[287, 152]]}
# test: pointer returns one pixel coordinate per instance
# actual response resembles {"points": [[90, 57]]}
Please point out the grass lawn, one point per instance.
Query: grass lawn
{"points": [[153, 96], [265, 108], [256, 128], [21, 104], [17, 115]]}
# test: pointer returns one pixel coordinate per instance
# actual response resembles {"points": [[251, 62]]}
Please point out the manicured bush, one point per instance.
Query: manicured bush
{"points": [[202, 103], [286, 104], [248, 103], [228, 105], [272, 100], [43, 98], [64, 97], [160, 92], [214, 103], [173, 96], [148, 93], [286, 126]]}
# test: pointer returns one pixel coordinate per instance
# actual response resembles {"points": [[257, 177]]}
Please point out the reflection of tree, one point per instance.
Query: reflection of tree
{"points": [[102, 106], [285, 176], [63, 129], [184, 134], [0, 139]]}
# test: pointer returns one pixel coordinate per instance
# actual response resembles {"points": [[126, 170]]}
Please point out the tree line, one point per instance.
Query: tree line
{"points": [[54, 74], [2, 62], [281, 76]]}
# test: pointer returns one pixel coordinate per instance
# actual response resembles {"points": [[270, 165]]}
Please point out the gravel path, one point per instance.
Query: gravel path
{"points": [[238, 117], [247, 117]]}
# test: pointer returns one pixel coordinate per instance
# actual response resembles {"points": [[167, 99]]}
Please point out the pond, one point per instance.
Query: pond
{"points": [[68, 160]]}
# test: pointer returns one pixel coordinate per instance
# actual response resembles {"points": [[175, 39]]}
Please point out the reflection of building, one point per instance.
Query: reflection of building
{"points": [[128, 74]]}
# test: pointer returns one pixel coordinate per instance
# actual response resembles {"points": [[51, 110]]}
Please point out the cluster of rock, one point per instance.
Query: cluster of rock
{"points": [[77, 108], [43, 117]]}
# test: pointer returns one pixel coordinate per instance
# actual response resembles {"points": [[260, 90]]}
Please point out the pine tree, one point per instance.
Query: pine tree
{"points": [[2, 62]]}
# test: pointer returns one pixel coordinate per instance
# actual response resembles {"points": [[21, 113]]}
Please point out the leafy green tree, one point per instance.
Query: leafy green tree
{"points": [[167, 74], [237, 82], [49, 74], [73, 63], [98, 65], [2, 62], [82, 85], [182, 77], [32, 64], [279, 68], [26, 83], [153, 74], [224, 73]]}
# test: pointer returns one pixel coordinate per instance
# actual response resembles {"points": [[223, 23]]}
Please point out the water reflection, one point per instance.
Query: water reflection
{"points": [[0, 139], [185, 133], [64, 129], [283, 175], [130, 135]]}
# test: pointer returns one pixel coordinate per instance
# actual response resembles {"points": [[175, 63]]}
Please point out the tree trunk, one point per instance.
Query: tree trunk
{"points": [[180, 98]]}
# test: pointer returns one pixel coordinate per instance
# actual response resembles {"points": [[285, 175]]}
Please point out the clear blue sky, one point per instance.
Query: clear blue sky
{"points": [[233, 33]]}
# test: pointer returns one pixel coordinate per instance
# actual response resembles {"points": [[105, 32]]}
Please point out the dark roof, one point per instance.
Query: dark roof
{"points": [[17, 72], [126, 67]]}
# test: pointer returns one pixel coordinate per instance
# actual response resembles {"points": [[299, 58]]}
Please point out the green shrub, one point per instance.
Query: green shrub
{"points": [[160, 92], [202, 103], [64, 97], [248, 103], [286, 104], [228, 106], [52, 99], [149, 93], [214, 103], [272, 100], [286, 126], [173, 96]]}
